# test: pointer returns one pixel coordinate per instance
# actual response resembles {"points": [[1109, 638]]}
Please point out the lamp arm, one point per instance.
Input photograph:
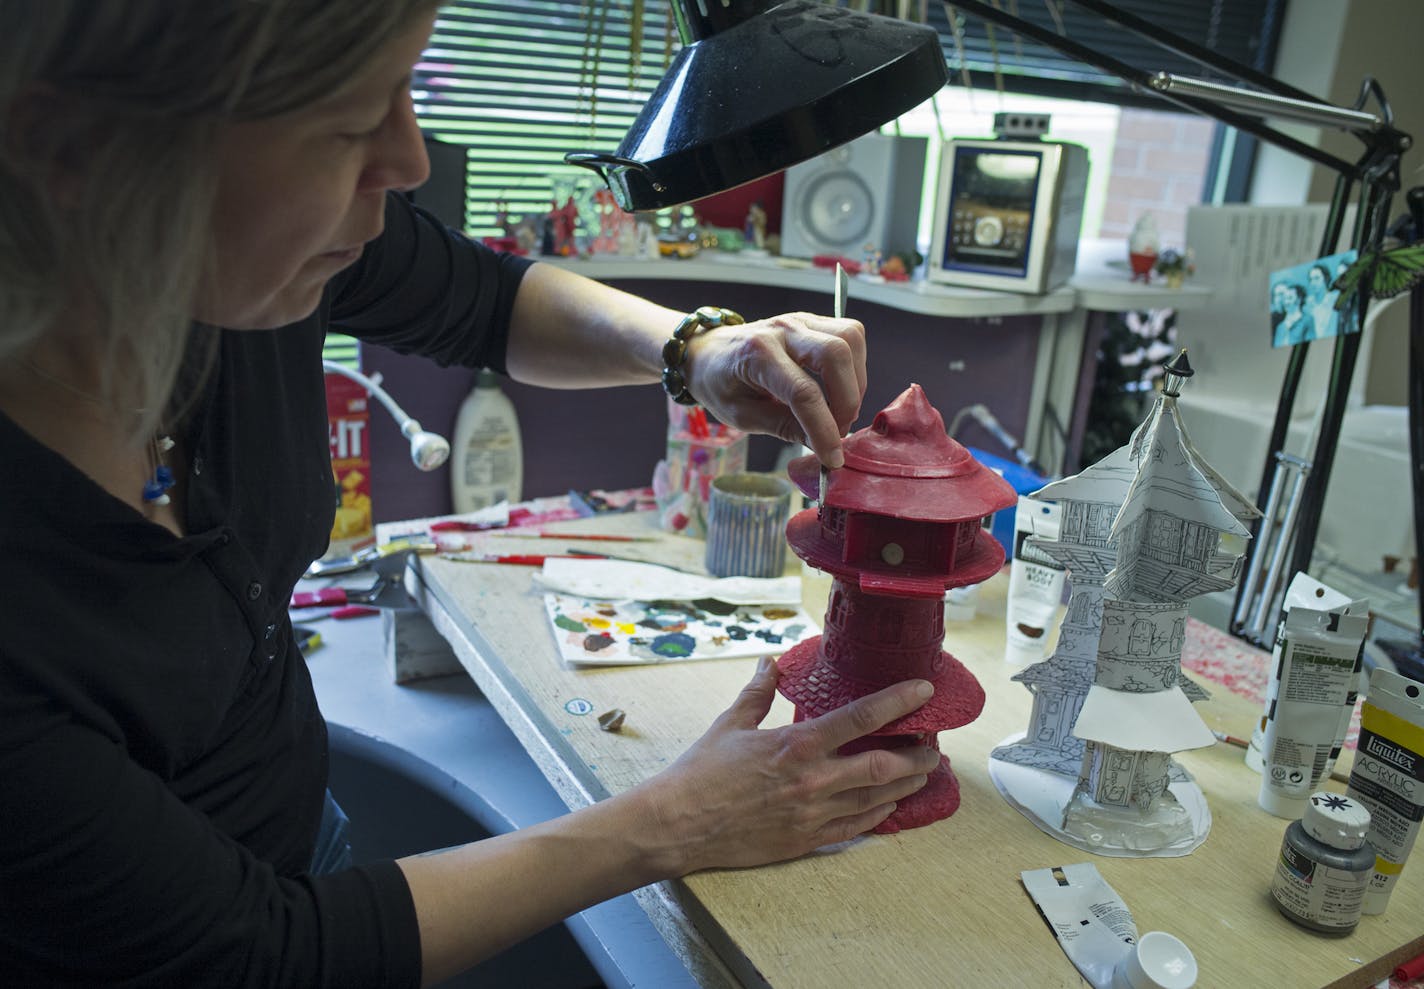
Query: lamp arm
{"points": [[383, 396], [1196, 104], [1197, 53], [1269, 104], [427, 450]]}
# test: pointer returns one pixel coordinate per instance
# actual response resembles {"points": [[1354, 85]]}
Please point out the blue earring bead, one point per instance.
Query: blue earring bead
{"points": [[155, 489]]}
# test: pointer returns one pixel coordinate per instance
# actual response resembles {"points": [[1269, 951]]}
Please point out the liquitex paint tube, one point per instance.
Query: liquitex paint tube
{"points": [[1388, 776], [1096, 931], [1315, 684], [1036, 582]]}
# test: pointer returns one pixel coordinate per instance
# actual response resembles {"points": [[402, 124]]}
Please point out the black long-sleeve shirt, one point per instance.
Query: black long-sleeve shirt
{"points": [[162, 758]]}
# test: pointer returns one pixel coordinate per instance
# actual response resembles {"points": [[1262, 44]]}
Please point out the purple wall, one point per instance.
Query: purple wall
{"points": [[613, 437]]}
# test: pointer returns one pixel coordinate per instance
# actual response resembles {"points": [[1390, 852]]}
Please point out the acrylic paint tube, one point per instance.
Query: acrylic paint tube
{"points": [[1306, 592], [1388, 776], [1316, 680], [1036, 583], [1095, 930]]}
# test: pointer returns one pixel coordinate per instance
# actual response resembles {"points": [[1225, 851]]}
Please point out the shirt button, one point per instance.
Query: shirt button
{"points": [[270, 631], [197, 464], [254, 591]]}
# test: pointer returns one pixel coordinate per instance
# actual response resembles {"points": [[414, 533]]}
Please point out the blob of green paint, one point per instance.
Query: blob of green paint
{"points": [[568, 624], [674, 645]]}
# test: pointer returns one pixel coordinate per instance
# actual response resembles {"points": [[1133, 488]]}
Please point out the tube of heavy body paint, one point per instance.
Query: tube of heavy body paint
{"points": [[1388, 776], [1035, 582], [1312, 695], [1095, 930]]}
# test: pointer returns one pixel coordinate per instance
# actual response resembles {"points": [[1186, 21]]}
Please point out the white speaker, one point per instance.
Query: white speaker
{"points": [[864, 192]]}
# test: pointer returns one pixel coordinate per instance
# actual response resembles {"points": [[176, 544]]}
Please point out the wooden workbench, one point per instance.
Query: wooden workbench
{"points": [[936, 906]]}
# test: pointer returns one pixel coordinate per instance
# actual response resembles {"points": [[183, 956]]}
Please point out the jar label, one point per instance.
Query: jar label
{"points": [[1316, 892]]}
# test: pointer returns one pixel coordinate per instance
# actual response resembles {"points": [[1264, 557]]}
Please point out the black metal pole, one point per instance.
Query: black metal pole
{"points": [[1416, 431], [1290, 386], [1369, 232]]}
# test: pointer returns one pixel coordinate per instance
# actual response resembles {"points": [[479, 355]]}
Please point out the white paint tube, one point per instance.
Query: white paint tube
{"points": [[1315, 684], [1388, 776], [1304, 592], [1096, 931], [1036, 582]]}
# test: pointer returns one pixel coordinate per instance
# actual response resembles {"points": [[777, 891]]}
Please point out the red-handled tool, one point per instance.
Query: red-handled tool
{"points": [[348, 611], [453, 525], [336, 596]]}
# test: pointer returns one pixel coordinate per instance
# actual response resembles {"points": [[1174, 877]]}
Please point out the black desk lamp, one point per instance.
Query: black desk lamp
{"points": [[756, 90]]}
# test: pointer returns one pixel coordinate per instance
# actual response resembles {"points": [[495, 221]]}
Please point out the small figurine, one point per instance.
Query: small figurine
{"points": [[874, 260], [562, 221], [755, 227], [612, 224], [1143, 245], [1175, 266]]}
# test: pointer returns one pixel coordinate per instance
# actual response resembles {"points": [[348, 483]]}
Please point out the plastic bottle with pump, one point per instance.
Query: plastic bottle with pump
{"points": [[487, 459]]}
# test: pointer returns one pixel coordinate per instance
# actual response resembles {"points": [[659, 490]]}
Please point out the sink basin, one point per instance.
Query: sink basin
{"points": [[400, 805]]}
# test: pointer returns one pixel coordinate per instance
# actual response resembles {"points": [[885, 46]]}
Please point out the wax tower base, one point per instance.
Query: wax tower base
{"points": [[896, 527]]}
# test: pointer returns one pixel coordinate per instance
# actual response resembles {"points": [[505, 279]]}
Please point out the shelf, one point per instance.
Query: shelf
{"points": [[1100, 284]]}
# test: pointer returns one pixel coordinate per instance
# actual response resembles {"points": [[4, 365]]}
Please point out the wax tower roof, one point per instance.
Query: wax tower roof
{"points": [[904, 465]]}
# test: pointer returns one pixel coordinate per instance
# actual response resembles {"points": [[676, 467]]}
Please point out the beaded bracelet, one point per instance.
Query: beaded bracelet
{"points": [[675, 350]]}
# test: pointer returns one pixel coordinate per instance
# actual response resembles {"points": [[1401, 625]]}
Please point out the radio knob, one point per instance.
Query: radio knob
{"points": [[988, 231]]}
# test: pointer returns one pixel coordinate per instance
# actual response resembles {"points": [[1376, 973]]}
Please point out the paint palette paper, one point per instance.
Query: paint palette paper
{"points": [[593, 631]]}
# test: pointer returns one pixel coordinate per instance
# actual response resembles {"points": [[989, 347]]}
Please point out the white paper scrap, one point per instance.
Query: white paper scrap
{"points": [[622, 580]]}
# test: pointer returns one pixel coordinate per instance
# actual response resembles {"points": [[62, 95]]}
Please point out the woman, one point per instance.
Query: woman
{"points": [[1320, 301], [193, 193], [1296, 325]]}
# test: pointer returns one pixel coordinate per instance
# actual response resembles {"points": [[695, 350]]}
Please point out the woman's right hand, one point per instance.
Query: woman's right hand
{"points": [[744, 796]]}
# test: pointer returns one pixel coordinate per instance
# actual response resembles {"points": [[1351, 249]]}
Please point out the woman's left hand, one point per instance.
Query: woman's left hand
{"points": [[799, 376]]}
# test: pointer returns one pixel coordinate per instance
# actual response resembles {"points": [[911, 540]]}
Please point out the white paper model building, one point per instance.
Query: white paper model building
{"points": [[1089, 502], [1178, 533]]}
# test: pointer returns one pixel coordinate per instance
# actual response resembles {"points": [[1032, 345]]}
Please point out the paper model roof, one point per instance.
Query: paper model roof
{"points": [[1163, 721], [1066, 673], [1169, 480], [1236, 503], [1105, 482]]}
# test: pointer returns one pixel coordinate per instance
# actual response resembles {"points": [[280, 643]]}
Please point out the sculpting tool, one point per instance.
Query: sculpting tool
{"points": [[842, 287]]}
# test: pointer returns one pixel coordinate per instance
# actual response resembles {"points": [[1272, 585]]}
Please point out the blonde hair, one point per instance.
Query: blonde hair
{"points": [[108, 116]]}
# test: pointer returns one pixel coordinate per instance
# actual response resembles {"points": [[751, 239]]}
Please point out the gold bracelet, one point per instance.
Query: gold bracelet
{"points": [[675, 350]]}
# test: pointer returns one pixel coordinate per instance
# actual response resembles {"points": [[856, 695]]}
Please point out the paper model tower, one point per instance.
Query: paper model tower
{"points": [[896, 527], [1180, 534], [1085, 547]]}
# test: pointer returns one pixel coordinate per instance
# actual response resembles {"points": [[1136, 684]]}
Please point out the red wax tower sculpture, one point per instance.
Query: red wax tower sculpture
{"points": [[895, 527]]}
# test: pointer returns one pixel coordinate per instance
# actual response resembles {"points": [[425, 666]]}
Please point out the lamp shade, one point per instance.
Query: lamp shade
{"points": [[776, 88]]}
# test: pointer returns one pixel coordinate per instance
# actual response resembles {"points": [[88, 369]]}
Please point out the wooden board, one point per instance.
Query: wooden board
{"points": [[936, 906]]}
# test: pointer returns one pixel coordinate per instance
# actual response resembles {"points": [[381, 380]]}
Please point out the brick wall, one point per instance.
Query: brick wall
{"points": [[1159, 162]]}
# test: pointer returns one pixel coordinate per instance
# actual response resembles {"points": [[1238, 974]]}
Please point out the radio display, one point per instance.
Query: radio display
{"points": [[990, 221]]}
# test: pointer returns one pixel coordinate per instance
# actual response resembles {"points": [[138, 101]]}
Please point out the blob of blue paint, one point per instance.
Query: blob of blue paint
{"points": [[674, 645]]}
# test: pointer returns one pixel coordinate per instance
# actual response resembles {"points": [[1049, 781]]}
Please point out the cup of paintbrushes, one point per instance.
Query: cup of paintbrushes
{"points": [[746, 525]]}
